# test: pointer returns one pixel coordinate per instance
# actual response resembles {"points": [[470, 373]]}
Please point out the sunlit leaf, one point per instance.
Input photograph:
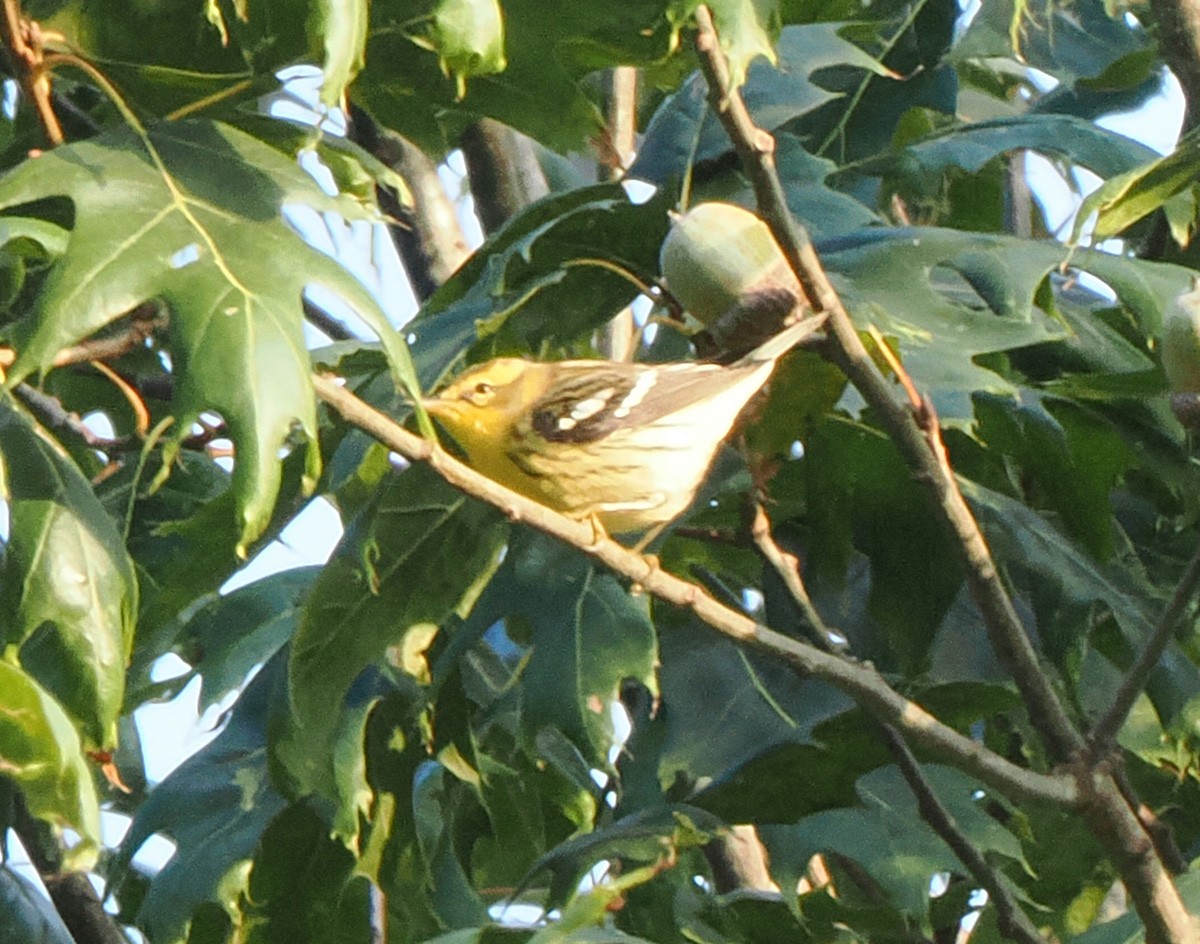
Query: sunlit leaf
{"points": [[69, 591], [42, 753], [205, 232]]}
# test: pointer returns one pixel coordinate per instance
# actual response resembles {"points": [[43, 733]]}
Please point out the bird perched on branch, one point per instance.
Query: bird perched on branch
{"points": [[626, 445]]}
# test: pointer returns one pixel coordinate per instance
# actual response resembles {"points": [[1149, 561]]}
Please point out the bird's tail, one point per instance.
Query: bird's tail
{"points": [[779, 344]]}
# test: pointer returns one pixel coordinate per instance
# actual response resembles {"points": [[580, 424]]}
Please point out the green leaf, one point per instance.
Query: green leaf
{"points": [[42, 753], [746, 29], [971, 145], [653, 836], [69, 591], [440, 805], [1060, 574], [340, 26], [587, 634], [1122, 200], [335, 900], [536, 279], [541, 92], [184, 537], [886, 836], [1127, 929], [215, 807], [946, 297], [1080, 40], [420, 552], [825, 212], [1071, 457], [27, 914], [760, 703], [229, 635], [861, 496], [683, 130], [205, 233]]}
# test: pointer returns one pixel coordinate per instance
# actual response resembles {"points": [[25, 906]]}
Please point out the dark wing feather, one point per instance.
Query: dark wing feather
{"points": [[592, 405]]}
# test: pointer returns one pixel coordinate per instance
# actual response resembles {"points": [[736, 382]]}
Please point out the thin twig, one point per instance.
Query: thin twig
{"points": [[326, 323], [1014, 923], [1104, 733], [52, 414], [788, 567], [861, 682], [23, 39], [97, 349], [1160, 832]]}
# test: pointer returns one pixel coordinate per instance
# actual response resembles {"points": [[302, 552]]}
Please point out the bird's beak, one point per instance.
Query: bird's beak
{"points": [[436, 406]]}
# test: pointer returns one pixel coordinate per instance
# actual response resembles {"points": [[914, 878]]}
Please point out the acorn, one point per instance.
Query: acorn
{"points": [[1181, 342], [723, 265]]}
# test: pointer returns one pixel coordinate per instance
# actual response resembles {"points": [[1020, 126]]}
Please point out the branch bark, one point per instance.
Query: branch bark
{"points": [[72, 893], [22, 38], [1179, 42], [756, 149], [427, 234], [1013, 922], [617, 338], [1104, 733], [861, 682], [504, 172]]}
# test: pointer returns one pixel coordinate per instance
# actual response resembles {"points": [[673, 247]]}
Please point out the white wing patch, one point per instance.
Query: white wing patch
{"points": [[645, 383], [586, 409]]}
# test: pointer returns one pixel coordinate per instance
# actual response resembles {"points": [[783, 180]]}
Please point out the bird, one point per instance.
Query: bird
{"points": [[626, 445]]}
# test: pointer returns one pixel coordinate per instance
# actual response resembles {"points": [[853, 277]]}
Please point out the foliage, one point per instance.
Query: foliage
{"points": [[430, 729]]}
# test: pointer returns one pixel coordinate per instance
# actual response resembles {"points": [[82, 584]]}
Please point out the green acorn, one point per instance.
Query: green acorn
{"points": [[718, 253], [1181, 342]]}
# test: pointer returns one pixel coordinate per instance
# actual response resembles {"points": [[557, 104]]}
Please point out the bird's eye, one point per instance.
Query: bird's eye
{"points": [[480, 394]]}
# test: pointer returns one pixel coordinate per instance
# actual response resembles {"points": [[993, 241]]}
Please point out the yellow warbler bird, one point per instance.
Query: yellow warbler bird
{"points": [[624, 444]]}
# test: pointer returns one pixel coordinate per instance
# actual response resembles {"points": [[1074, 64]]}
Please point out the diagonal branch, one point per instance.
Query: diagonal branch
{"points": [[915, 434], [756, 148], [1104, 734], [1013, 922], [861, 682], [72, 893]]}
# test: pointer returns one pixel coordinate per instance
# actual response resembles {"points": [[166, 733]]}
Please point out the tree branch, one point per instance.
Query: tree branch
{"points": [[1104, 734], [916, 436], [756, 148], [72, 893], [23, 39], [427, 235], [1179, 42], [504, 172], [143, 322], [860, 682], [1014, 923], [788, 568], [620, 141]]}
